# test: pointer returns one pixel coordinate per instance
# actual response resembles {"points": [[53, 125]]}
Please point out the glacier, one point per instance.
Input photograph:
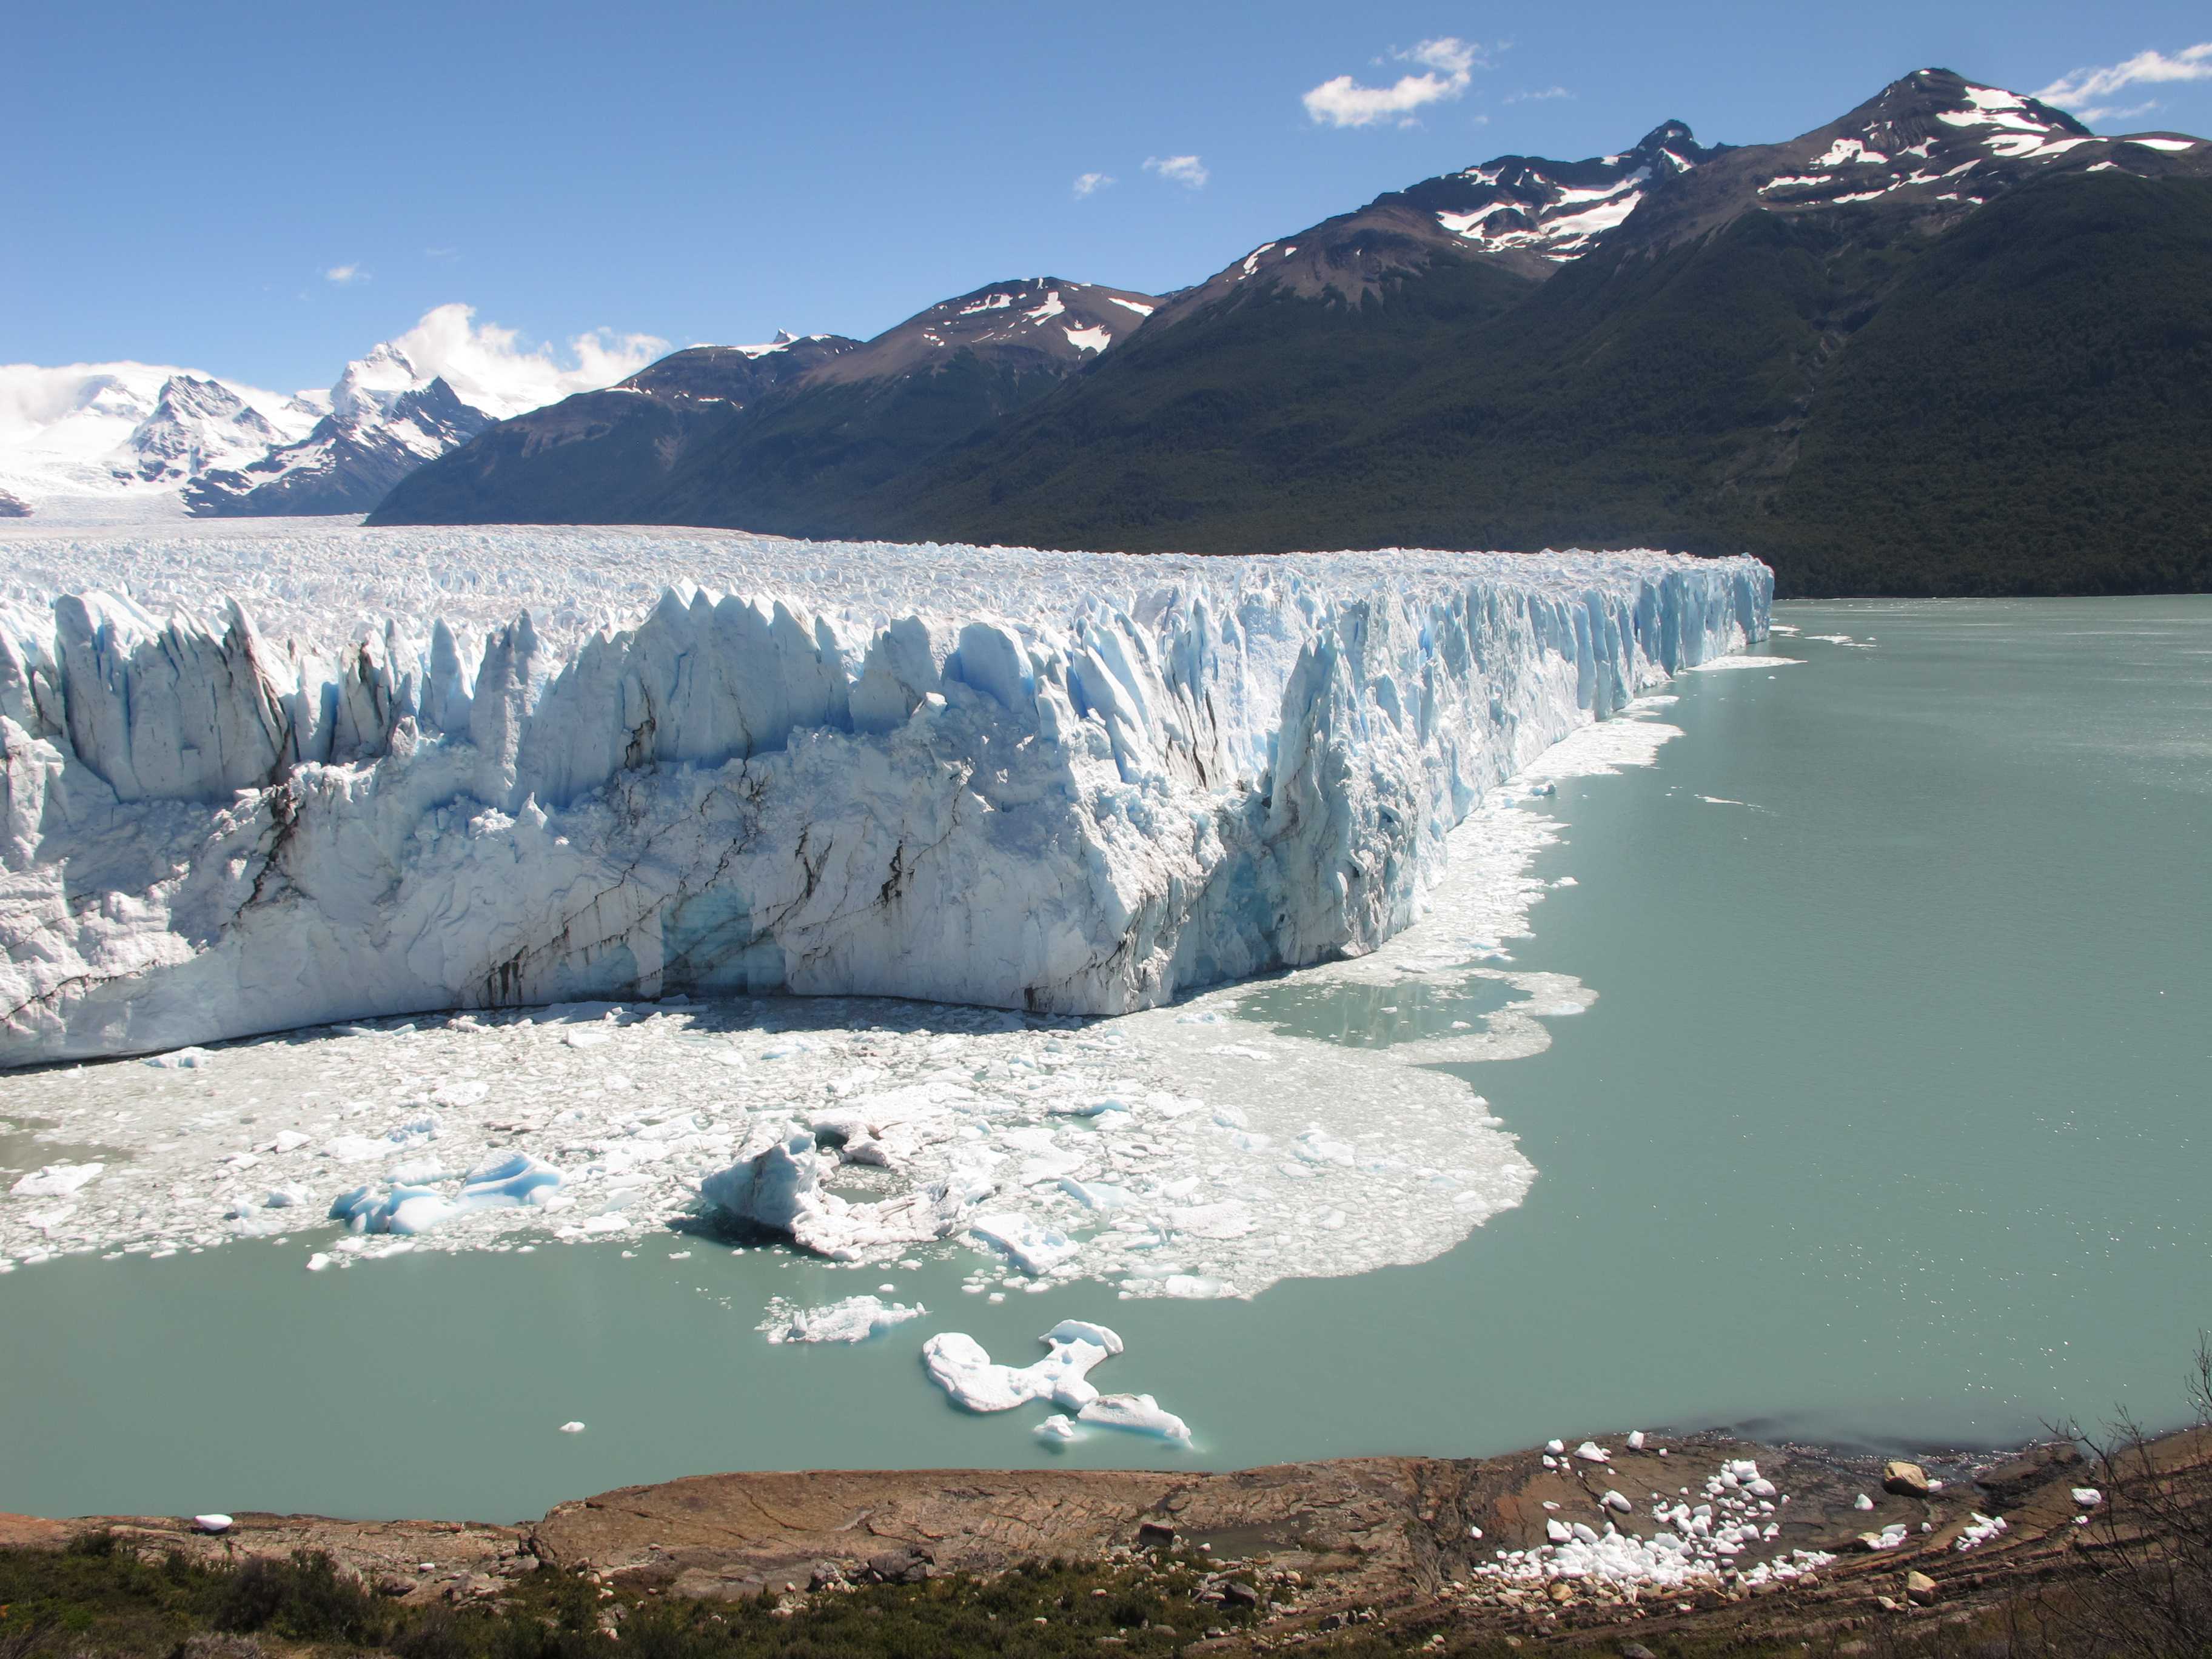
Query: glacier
{"points": [[1201, 1149], [564, 765]]}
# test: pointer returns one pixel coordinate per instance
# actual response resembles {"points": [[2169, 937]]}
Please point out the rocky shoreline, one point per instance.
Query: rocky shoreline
{"points": [[1399, 1543]]}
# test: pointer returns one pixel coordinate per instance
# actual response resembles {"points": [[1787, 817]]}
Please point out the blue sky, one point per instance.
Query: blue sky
{"points": [[263, 192]]}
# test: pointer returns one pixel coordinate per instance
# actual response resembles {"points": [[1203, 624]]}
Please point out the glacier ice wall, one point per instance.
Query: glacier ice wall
{"points": [[1062, 782]]}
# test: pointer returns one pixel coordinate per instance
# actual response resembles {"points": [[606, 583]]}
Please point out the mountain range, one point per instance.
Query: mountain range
{"points": [[1953, 342], [125, 441]]}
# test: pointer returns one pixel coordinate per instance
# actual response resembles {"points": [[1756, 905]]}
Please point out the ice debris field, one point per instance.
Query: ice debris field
{"points": [[259, 782]]}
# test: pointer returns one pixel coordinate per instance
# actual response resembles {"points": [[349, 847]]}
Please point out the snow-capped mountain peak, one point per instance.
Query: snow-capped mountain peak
{"points": [[1554, 208], [371, 384], [103, 442], [387, 418], [117, 439], [198, 424]]}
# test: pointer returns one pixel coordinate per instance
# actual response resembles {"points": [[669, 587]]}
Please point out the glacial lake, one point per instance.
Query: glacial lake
{"points": [[1887, 1127]]}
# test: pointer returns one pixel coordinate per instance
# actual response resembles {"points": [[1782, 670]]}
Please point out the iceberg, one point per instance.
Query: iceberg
{"points": [[778, 1189], [960, 1365], [239, 797]]}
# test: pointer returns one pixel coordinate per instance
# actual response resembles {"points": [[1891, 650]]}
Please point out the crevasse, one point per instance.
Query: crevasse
{"points": [[1067, 783]]}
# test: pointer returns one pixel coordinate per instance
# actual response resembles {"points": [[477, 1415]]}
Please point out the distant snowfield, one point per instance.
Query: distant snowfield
{"points": [[261, 781]]}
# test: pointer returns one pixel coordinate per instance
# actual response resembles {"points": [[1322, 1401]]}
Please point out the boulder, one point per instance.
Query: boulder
{"points": [[909, 1565], [1920, 1588], [1903, 1480]]}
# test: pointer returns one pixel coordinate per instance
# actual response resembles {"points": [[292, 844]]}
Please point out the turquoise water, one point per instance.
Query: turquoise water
{"points": [[1888, 1126]]}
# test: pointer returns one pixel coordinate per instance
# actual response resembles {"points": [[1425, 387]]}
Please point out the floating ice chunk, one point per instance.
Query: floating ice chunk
{"points": [[1193, 1287], [355, 1149], [1058, 1429], [1099, 1196], [1082, 1330], [1719, 665], [1317, 1146], [572, 1428], [56, 1180], [286, 1198], [317, 1262], [855, 1319], [589, 1037], [467, 1093], [959, 1365], [1231, 1218], [503, 1182], [289, 1140], [399, 1208], [1031, 1246], [777, 1187], [1138, 1414]]}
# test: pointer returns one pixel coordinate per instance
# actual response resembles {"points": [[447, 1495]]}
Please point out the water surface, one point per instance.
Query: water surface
{"points": [[1888, 1125]]}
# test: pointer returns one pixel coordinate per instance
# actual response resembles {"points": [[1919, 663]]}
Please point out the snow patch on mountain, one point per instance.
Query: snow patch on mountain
{"points": [[1556, 208]]}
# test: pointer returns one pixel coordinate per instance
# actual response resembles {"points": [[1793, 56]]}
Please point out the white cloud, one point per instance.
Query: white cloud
{"points": [[2099, 113], [1538, 97], [1448, 67], [488, 366], [342, 274], [1179, 169], [1085, 183], [2088, 86]]}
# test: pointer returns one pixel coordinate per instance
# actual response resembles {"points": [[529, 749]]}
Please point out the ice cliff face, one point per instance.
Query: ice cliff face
{"points": [[1062, 782]]}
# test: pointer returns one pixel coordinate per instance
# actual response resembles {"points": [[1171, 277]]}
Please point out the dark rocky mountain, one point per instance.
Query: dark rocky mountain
{"points": [[1952, 342], [603, 457], [11, 508], [776, 438]]}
